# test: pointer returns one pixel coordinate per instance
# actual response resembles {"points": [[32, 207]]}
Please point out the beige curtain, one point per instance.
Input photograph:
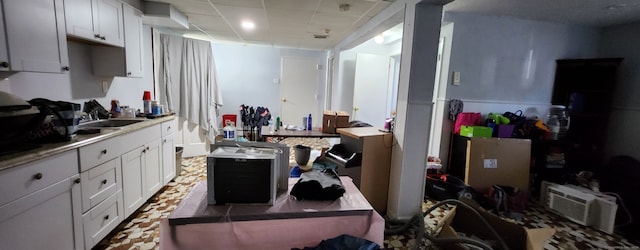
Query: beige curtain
{"points": [[187, 80]]}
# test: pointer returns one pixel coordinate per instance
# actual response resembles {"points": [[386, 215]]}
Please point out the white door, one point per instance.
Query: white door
{"points": [[299, 90], [371, 88]]}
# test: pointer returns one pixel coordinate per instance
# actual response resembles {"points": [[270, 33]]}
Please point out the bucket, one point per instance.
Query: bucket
{"points": [[302, 154], [178, 160]]}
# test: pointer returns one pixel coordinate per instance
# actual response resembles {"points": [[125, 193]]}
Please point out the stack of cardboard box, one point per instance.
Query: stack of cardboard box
{"points": [[334, 119]]}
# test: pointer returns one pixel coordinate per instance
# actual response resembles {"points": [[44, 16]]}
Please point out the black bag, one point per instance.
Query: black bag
{"points": [[320, 185], [60, 122]]}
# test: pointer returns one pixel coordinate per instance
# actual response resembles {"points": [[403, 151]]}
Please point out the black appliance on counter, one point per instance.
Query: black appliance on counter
{"points": [[17, 118]]}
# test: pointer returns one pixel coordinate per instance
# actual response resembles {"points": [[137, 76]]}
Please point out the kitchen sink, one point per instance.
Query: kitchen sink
{"points": [[110, 123]]}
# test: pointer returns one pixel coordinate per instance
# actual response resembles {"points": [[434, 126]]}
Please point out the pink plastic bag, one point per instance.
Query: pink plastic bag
{"points": [[467, 119]]}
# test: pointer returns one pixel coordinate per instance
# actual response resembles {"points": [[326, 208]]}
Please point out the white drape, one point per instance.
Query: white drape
{"points": [[188, 84]]}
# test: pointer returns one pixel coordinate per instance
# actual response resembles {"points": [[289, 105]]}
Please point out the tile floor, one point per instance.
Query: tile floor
{"points": [[141, 230]]}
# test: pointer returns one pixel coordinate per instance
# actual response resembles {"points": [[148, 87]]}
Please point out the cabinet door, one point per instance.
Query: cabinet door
{"points": [[133, 173], [153, 168], [47, 219], [133, 41], [79, 18], [107, 16], [36, 35], [168, 159]]}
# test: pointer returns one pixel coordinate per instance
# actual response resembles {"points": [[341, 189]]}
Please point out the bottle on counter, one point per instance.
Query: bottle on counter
{"points": [[309, 123], [229, 131]]}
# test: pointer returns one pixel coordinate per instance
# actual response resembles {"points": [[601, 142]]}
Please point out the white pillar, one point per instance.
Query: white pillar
{"points": [[422, 23]]}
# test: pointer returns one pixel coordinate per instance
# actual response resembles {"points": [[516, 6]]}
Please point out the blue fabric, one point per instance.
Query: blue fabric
{"points": [[344, 242], [295, 172]]}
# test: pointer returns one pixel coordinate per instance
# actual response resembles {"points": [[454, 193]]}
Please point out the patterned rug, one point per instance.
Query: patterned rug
{"points": [[141, 230]]}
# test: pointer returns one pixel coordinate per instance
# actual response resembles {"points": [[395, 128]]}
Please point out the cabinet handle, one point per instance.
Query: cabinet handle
{"points": [[147, 147], [37, 176], [128, 73], [4, 64], [104, 181], [96, 36], [165, 140], [65, 68], [104, 151], [103, 38], [144, 150], [106, 217], [77, 180]]}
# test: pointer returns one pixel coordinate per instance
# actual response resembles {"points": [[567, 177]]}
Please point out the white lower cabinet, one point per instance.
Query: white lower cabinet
{"points": [[48, 218], [168, 151], [133, 172], [103, 218], [72, 200], [153, 168]]}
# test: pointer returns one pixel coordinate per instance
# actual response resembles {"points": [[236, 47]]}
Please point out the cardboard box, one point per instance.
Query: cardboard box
{"points": [[329, 121], [342, 119], [334, 119], [502, 161], [476, 131], [463, 220]]}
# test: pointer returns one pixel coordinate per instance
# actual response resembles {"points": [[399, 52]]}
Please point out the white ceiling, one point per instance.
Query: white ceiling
{"points": [[293, 23]]}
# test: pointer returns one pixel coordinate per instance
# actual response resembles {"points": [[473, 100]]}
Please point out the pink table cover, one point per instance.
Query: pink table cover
{"points": [[195, 225]]}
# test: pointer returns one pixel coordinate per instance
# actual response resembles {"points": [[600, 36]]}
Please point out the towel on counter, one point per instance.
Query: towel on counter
{"points": [[321, 185]]}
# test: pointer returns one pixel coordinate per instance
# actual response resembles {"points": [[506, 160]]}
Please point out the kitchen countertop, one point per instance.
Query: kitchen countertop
{"points": [[48, 149]]}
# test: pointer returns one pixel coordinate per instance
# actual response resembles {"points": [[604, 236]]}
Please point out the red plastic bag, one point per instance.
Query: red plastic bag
{"points": [[467, 119]]}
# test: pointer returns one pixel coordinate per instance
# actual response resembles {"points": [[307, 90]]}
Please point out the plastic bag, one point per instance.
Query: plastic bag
{"points": [[467, 119]]}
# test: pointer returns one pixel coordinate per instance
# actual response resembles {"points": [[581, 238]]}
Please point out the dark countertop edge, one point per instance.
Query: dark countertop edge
{"points": [[17, 159]]}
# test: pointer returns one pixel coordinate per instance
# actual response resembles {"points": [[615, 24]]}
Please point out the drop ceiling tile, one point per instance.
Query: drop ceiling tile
{"points": [[195, 7], [376, 9], [235, 15], [332, 20], [356, 7], [304, 5], [238, 3], [210, 23]]}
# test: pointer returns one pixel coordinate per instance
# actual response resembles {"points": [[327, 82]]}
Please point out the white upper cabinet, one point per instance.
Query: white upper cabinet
{"points": [[127, 61], [34, 36], [96, 20], [133, 41]]}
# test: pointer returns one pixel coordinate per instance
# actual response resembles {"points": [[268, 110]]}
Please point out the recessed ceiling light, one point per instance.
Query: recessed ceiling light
{"points": [[248, 25], [378, 39]]}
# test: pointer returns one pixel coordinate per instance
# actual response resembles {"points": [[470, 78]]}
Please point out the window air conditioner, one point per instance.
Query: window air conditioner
{"points": [[582, 205]]}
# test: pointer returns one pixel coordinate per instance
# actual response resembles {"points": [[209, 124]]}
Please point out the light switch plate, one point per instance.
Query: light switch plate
{"points": [[456, 78]]}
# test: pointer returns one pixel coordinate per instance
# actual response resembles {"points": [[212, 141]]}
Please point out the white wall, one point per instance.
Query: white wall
{"points": [[246, 75], [507, 63], [622, 41], [79, 85]]}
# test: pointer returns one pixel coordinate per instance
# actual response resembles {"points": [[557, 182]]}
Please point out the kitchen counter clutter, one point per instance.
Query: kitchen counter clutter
{"points": [[49, 149], [82, 189]]}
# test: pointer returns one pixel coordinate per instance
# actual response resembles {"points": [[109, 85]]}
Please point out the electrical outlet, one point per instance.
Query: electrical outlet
{"points": [[456, 78], [105, 87]]}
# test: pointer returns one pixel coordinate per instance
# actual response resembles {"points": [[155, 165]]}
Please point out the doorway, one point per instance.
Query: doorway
{"points": [[299, 90]]}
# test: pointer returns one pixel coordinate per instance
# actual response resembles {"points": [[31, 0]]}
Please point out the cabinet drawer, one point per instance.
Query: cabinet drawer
{"points": [[100, 152], [103, 218], [22, 180], [169, 127], [99, 183]]}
